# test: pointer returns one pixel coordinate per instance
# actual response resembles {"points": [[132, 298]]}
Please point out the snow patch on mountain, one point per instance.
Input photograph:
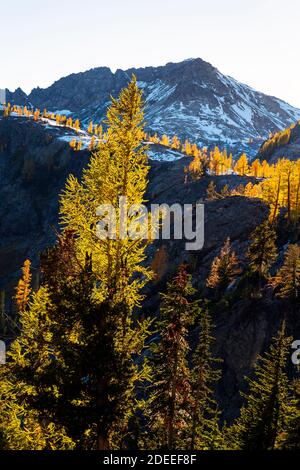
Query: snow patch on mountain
{"points": [[165, 155]]}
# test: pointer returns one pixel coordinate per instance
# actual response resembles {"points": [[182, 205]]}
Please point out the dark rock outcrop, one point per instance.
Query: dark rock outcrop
{"points": [[34, 165]]}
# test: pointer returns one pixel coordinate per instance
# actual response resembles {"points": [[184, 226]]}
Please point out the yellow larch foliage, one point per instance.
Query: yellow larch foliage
{"points": [[77, 125], [165, 141], [241, 167], [255, 169], [90, 127], [175, 143], [118, 169], [92, 143], [23, 289]]}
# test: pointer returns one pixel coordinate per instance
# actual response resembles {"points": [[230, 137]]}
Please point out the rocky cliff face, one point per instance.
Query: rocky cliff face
{"points": [[34, 165], [245, 329], [191, 99]]}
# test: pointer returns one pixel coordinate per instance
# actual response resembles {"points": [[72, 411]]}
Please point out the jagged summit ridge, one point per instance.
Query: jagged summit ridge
{"points": [[192, 99]]}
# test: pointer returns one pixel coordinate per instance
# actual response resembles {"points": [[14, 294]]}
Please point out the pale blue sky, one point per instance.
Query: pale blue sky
{"points": [[255, 41]]}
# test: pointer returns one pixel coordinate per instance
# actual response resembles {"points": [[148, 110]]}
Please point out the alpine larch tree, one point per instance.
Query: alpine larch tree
{"points": [[72, 371]]}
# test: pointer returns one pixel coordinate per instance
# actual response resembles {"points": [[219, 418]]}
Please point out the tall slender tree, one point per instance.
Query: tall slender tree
{"points": [[287, 280], [170, 391], [24, 287], [75, 357], [204, 430], [262, 251]]}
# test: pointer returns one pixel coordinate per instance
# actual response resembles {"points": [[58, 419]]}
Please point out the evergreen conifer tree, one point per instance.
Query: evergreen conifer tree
{"points": [[262, 251], [170, 391], [204, 430], [287, 279], [291, 439], [224, 269]]}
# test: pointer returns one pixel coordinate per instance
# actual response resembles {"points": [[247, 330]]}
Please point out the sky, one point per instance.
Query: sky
{"points": [[254, 41]]}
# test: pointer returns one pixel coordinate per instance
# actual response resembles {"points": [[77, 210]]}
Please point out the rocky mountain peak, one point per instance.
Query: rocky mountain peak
{"points": [[191, 99]]}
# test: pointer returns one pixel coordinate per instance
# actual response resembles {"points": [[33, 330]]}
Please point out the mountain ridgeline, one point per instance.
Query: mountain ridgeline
{"points": [[191, 99], [283, 144], [129, 344]]}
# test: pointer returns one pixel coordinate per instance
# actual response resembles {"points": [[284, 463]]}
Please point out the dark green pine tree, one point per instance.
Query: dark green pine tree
{"points": [[269, 403], [170, 391], [96, 374], [291, 440], [262, 251], [287, 279], [204, 431]]}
